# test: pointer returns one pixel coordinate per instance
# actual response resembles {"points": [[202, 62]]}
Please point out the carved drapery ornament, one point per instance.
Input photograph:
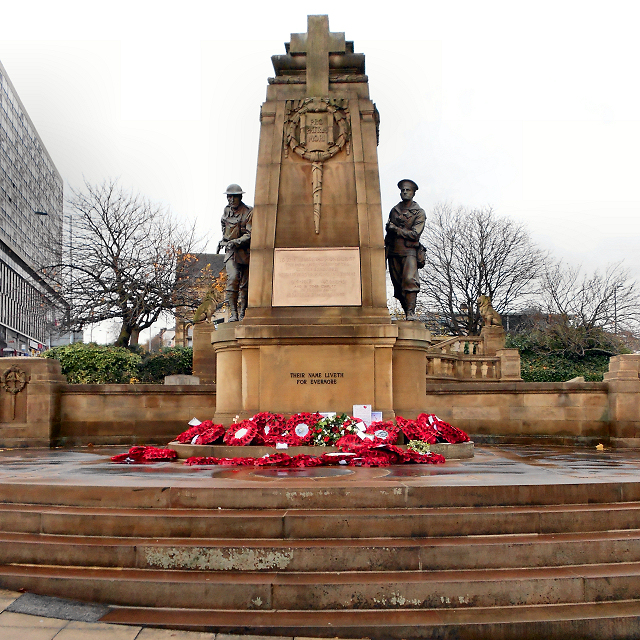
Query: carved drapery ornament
{"points": [[317, 129], [13, 380]]}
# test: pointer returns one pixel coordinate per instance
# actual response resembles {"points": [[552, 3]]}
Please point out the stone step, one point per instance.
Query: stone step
{"points": [[392, 489], [602, 620], [327, 523], [324, 590], [340, 554]]}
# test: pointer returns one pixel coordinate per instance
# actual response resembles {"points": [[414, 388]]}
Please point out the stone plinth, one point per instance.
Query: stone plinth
{"points": [[30, 417], [459, 451], [409, 368], [292, 368], [204, 357], [494, 340], [509, 364], [623, 379]]}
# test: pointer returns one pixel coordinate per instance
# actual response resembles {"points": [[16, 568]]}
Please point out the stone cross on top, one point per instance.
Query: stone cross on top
{"points": [[317, 44]]}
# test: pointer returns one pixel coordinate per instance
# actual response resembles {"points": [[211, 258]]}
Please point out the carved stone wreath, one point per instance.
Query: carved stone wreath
{"points": [[338, 130], [317, 129], [13, 379]]}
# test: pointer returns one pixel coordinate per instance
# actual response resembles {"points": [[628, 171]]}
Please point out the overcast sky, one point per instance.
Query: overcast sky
{"points": [[532, 108]]}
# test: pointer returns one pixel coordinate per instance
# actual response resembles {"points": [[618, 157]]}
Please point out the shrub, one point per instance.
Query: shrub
{"points": [[539, 363], [94, 364], [167, 362]]}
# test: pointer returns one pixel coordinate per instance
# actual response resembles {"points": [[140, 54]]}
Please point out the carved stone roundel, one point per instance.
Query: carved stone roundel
{"points": [[317, 129], [13, 379]]}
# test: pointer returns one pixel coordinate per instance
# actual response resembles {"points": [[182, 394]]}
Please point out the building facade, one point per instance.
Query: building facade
{"points": [[31, 225]]}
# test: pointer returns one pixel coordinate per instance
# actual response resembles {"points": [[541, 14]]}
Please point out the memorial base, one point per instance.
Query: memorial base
{"points": [[289, 369], [294, 368]]}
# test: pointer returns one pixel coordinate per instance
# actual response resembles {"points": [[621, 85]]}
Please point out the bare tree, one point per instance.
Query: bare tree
{"points": [[589, 311], [124, 258], [473, 252]]}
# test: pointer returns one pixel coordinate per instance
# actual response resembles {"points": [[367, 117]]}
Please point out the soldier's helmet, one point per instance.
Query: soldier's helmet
{"points": [[234, 190], [414, 186]]}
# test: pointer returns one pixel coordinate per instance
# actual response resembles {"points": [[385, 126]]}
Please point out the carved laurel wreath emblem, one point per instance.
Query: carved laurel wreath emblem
{"points": [[297, 114], [14, 379]]}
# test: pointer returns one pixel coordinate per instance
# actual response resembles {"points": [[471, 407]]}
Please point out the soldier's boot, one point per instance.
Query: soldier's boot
{"points": [[232, 301], [410, 297], [403, 304], [242, 304]]}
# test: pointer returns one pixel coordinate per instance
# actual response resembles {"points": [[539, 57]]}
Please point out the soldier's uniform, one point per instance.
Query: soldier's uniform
{"points": [[236, 226], [401, 247]]}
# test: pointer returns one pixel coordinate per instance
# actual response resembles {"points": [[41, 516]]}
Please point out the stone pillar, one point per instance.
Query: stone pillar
{"points": [[204, 355], [624, 400], [228, 359], [30, 401], [410, 369], [494, 339], [509, 364]]}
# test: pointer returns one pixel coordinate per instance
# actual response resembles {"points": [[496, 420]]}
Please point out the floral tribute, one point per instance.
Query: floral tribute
{"points": [[139, 454], [373, 445], [240, 434], [204, 433], [430, 429]]}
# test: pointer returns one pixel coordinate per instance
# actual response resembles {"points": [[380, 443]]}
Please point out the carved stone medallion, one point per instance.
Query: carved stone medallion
{"points": [[317, 129], [13, 380]]}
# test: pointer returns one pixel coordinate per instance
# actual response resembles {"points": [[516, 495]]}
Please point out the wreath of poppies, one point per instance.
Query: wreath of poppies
{"points": [[366, 446], [210, 435], [300, 428], [141, 454], [274, 460], [187, 436], [269, 428], [444, 431], [240, 434], [384, 432]]}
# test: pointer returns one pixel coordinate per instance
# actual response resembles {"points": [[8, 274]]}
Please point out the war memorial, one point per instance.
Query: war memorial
{"points": [[535, 534]]}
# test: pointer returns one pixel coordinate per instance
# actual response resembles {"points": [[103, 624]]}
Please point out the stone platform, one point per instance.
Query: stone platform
{"points": [[449, 451], [515, 542]]}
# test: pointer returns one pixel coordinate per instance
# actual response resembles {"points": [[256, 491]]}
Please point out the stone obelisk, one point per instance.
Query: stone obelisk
{"points": [[317, 335]]}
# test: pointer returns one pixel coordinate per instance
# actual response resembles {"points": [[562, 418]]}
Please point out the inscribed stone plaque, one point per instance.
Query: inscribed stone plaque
{"points": [[316, 131], [316, 277]]}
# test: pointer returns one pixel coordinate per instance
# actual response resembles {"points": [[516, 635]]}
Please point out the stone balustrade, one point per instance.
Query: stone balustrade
{"points": [[472, 358]]}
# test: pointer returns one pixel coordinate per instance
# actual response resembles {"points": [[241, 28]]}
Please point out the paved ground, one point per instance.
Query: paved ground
{"points": [[504, 465], [31, 617]]}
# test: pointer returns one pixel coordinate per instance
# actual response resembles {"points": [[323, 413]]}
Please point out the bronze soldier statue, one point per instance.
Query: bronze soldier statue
{"points": [[402, 246], [236, 240]]}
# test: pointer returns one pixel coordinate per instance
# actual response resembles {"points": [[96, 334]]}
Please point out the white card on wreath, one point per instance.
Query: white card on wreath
{"points": [[362, 412]]}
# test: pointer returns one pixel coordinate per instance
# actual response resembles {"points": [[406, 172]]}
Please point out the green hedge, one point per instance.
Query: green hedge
{"points": [[553, 368], [93, 364], [168, 362], [540, 365]]}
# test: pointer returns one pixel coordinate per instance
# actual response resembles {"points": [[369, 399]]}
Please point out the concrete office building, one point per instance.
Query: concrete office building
{"points": [[31, 214]]}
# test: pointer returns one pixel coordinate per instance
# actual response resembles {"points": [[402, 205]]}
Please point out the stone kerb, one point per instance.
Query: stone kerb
{"points": [[623, 380]]}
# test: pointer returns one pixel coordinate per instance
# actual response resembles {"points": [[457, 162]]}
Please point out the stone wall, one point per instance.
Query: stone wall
{"points": [[130, 414], [47, 411], [525, 412]]}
